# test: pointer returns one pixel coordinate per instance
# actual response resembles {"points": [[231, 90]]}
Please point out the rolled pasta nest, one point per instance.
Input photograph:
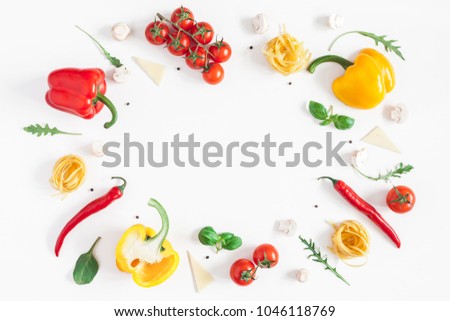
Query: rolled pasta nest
{"points": [[286, 54], [68, 173]]}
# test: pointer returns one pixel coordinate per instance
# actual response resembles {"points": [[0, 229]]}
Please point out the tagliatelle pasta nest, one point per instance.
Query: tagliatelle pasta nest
{"points": [[350, 240], [68, 173], [286, 54]]}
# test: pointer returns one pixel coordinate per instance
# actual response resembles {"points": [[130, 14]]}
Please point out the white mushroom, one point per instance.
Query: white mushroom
{"points": [[288, 227], [97, 148], [336, 21], [260, 23], [360, 157], [120, 31], [399, 113], [302, 275], [121, 74]]}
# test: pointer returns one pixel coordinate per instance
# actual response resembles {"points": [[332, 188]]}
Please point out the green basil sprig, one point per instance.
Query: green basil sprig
{"points": [[228, 241], [319, 112], [86, 267]]}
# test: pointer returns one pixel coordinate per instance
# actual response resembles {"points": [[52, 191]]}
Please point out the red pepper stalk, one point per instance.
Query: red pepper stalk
{"points": [[91, 208], [354, 199], [79, 92]]}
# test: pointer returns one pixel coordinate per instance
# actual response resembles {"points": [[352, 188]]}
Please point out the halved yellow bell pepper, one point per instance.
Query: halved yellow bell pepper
{"points": [[365, 82], [148, 256]]}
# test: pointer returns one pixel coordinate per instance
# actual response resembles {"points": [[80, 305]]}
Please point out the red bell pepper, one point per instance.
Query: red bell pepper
{"points": [[79, 92]]}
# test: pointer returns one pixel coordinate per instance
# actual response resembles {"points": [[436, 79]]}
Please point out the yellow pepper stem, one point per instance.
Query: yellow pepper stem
{"points": [[329, 58]]}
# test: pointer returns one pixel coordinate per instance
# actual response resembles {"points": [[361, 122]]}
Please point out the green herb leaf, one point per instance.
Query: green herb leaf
{"points": [[396, 173], [225, 240], [208, 236], [388, 44], [86, 267], [232, 243], [317, 257], [343, 122], [326, 122], [318, 110], [46, 130], [113, 60]]}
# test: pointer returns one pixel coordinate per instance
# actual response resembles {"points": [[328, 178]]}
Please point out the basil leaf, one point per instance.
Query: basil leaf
{"points": [[343, 122], [326, 122], [225, 237], [318, 110], [208, 236], [86, 267], [233, 243]]}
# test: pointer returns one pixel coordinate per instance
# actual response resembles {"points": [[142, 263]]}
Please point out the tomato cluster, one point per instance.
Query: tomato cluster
{"points": [[243, 271], [192, 40]]}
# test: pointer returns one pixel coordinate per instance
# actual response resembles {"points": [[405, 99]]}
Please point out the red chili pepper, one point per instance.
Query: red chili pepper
{"points": [[354, 199], [91, 208], [79, 92]]}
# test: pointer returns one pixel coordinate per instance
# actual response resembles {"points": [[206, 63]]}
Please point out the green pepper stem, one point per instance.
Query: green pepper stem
{"points": [[108, 103], [121, 187], [329, 58], [162, 234]]}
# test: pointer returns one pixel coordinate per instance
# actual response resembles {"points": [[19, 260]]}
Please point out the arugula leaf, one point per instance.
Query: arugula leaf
{"points": [[388, 44], [113, 60], [397, 172], [86, 267], [39, 130]]}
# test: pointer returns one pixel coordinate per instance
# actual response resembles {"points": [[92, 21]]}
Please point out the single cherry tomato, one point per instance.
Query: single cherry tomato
{"points": [[242, 272], [265, 256], [203, 32], [220, 51], [196, 57], [178, 43], [157, 33], [213, 74], [401, 199], [183, 17]]}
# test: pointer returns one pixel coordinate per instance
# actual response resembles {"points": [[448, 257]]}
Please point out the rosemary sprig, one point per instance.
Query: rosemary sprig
{"points": [[317, 257], [39, 130], [397, 172], [388, 44]]}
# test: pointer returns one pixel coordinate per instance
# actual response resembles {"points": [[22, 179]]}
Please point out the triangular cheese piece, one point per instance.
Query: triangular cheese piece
{"points": [[202, 278], [378, 138], [154, 70]]}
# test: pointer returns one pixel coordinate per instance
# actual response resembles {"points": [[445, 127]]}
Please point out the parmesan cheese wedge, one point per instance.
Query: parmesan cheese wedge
{"points": [[378, 138], [154, 70], [202, 278]]}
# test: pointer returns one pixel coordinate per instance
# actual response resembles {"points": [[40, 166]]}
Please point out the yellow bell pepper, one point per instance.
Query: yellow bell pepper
{"points": [[148, 256], [365, 82]]}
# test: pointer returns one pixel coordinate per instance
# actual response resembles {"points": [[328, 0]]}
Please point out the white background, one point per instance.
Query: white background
{"points": [[253, 100]]}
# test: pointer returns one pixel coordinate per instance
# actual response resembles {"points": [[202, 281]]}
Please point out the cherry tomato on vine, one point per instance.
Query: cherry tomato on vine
{"points": [[183, 17], [401, 199], [178, 43], [265, 256], [220, 51], [242, 272], [213, 74], [203, 32], [157, 33], [196, 57]]}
